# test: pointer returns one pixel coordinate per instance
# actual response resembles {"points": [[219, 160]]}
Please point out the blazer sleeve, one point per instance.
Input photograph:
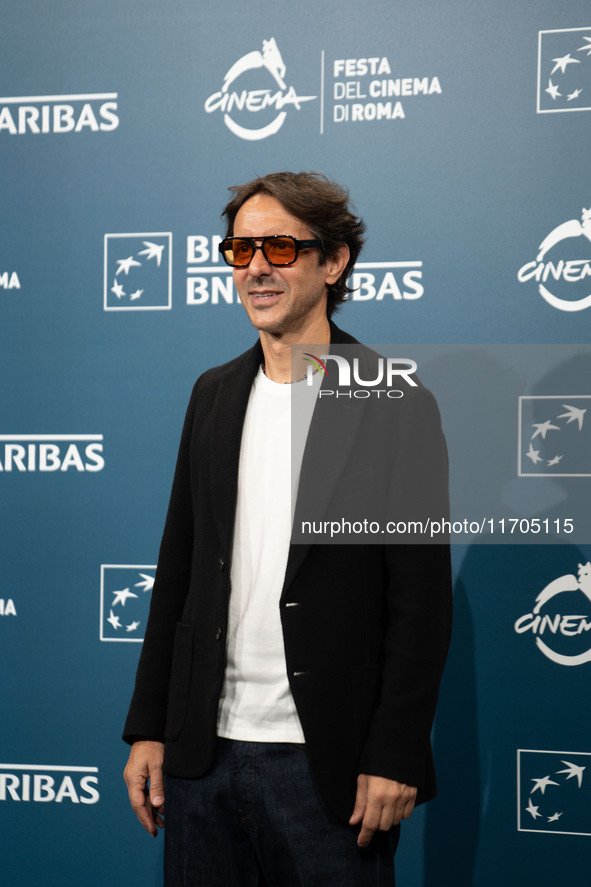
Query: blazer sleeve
{"points": [[419, 601], [147, 713]]}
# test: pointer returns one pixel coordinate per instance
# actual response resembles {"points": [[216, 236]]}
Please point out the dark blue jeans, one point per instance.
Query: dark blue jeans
{"points": [[257, 820]]}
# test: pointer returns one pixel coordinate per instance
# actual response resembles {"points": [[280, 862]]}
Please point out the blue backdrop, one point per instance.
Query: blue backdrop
{"points": [[462, 132]]}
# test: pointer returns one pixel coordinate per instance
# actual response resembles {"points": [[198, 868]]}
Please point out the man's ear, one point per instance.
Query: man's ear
{"points": [[335, 265]]}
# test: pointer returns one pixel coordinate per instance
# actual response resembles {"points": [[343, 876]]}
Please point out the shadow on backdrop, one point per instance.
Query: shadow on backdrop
{"points": [[452, 821]]}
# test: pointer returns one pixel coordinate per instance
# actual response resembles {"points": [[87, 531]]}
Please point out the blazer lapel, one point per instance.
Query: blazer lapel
{"points": [[335, 421], [333, 430], [229, 412]]}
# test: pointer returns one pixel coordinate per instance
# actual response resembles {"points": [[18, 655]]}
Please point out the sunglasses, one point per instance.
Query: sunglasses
{"points": [[278, 249]]}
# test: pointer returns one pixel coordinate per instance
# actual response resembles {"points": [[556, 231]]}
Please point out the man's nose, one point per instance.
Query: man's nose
{"points": [[259, 264]]}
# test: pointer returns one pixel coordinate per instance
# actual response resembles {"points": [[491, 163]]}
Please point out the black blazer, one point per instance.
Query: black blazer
{"points": [[367, 631]]}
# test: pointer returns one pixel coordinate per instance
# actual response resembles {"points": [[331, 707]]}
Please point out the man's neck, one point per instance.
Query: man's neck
{"points": [[277, 351]]}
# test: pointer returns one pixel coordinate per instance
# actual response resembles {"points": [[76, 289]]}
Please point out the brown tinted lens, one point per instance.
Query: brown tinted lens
{"points": [[238, 252], [279, 250]]}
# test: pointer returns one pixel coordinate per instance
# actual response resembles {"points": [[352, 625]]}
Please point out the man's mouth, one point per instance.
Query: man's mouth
{"points": [[263, 295]]}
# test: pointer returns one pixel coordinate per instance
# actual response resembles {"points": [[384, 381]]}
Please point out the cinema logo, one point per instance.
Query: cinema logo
{"points": [[562, 275], [209, 279], [47, 784], [241, 107], [51, 452], [45, 114], [561, 619]]}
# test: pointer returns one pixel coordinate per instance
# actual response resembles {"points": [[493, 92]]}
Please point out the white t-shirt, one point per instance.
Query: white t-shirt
{"points": [[256, 702]]}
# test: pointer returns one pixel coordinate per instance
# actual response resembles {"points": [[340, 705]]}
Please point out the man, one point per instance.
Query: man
{"points": [[287, 691]]}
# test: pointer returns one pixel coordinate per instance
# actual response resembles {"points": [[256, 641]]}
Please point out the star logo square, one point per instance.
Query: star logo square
{"points": [[564, 70], [138, 272], [554, 792], [554, 436], [125, 601]]}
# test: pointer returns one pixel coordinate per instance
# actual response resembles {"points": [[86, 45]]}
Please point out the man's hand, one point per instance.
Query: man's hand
{"points": [[145, 763], [379, 804]]}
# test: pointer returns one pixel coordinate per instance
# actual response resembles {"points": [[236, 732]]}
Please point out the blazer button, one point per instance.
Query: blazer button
{"points": [[219, 634], [221, 565]]}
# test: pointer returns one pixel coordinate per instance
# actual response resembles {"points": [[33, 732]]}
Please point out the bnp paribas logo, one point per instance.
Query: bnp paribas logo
{"points": [[564, 70], [58, 114], [554, 792], [49, 783], [125, 601], [554, 436], [255, 97], [138, 272]]}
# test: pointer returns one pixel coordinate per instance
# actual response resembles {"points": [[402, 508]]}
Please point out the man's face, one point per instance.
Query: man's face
{"points": [[280, 300]]}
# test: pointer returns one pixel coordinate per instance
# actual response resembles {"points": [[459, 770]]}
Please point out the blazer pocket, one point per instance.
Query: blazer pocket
{"points": [[180, 680]]}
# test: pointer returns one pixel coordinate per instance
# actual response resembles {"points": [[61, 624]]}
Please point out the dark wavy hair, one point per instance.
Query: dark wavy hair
{"points": [[318, 202]]}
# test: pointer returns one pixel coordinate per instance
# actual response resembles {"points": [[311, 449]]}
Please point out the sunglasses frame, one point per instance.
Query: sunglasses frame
{"points": [[298, 245]]}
